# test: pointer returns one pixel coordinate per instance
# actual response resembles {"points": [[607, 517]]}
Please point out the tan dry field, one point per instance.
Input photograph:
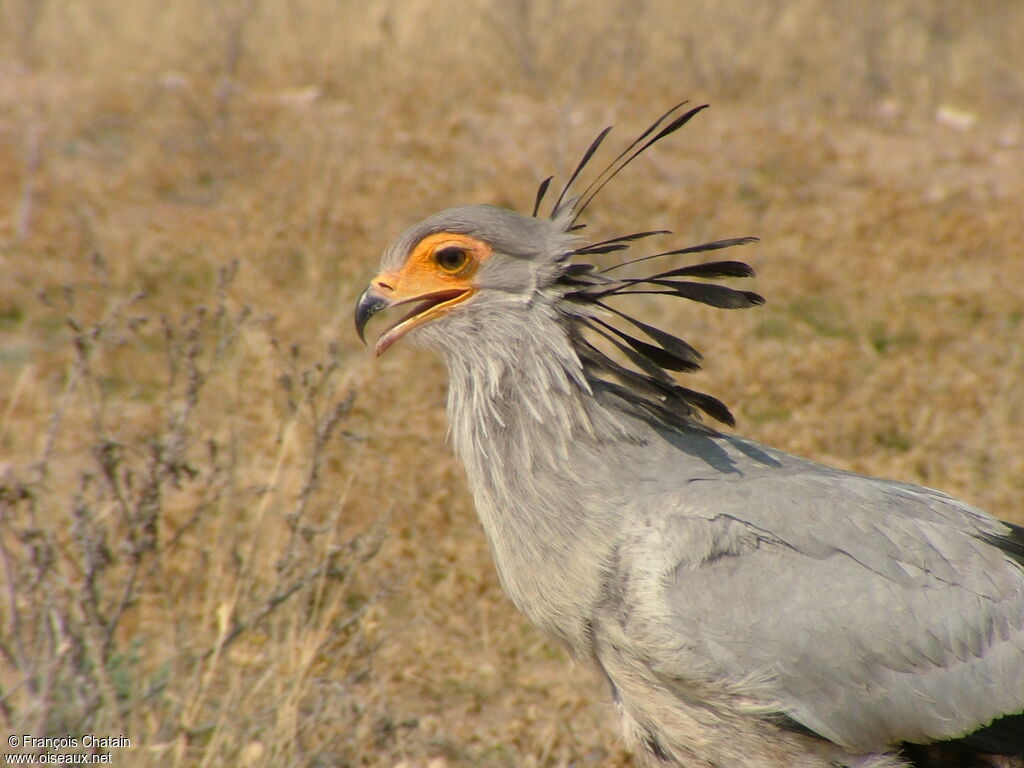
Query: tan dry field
{"points": [[229, 534]]}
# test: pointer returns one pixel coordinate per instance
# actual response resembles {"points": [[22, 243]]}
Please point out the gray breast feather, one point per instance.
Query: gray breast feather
{"points": [[878, 609]]}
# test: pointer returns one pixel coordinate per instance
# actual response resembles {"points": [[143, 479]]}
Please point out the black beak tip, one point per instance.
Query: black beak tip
{"points": [[369, 304]]}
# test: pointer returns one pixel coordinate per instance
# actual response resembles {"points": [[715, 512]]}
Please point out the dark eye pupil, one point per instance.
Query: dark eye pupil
{"points": [[450, 258]]}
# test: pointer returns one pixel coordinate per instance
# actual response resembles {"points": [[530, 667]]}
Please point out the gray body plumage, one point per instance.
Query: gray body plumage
{"points": [[748, 607]]}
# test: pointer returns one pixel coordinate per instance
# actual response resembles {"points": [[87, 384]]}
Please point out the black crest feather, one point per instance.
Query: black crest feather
{"points": [[646, 382]]}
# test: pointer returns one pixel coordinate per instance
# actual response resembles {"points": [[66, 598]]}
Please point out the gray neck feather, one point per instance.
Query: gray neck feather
{"points": [[528, 428]]}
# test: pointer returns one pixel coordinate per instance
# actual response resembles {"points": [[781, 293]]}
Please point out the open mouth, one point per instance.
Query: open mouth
{"points": [[431, 306]]}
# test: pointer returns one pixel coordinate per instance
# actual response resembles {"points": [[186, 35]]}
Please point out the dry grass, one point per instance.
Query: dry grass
{"points": [[191, 196]]}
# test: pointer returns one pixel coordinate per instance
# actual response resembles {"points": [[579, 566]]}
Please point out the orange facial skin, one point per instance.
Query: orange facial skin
{"points": [[439, 272]]}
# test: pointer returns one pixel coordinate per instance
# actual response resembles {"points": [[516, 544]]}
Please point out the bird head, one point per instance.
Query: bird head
{"points": [[461, 266], [481, 279]]}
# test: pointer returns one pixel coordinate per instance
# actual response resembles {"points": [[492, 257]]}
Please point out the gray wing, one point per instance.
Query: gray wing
{"points": [[883, 612]]}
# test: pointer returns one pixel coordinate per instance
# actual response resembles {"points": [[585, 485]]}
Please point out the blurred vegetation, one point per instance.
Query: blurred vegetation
{"points": [[199, 464], [831, 53]]}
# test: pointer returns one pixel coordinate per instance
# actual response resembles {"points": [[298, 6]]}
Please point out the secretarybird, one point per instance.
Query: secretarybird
{"points": [[747, 607]]}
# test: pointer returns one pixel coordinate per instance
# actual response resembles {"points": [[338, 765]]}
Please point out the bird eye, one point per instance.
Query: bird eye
{"points": [[451, 259]]}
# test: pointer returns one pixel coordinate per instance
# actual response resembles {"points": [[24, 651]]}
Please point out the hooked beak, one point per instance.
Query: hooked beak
{"points": [[369, 304], [374, 300]]}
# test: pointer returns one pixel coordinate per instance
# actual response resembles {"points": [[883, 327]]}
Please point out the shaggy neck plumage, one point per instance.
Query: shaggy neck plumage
{"points": [[526, 424], [515, 380]]}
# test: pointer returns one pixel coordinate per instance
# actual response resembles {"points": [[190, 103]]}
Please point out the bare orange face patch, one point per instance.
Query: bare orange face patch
{"points": [[447, 256], [438, 272]]}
